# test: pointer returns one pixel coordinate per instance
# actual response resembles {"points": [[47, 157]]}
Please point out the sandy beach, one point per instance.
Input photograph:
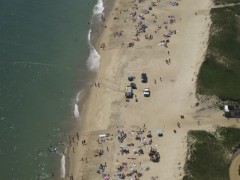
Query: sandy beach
{"points": [[170, 52]]}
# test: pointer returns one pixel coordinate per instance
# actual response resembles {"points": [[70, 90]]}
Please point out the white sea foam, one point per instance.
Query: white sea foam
{"points": [[93, 60], [77, 97], [63, 170], [98, 8], [76, 112]]}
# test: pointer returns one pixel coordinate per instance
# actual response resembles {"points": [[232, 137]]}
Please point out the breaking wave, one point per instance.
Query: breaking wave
{"points": [[63, 170], [98, 8], [76, 112], [93, 60]]}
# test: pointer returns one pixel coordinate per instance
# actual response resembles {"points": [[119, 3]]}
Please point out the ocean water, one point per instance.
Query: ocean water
{"points": [[46, 59]]}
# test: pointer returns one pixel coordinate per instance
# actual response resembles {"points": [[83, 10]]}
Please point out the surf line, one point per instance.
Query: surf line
{"points": [[93, 60]]}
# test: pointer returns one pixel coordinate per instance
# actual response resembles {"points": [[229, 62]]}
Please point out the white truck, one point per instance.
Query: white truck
{"points": [[128, 92]]}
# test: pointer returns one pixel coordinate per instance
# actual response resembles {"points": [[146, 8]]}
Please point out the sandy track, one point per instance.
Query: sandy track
{"points": [[234, 168]]}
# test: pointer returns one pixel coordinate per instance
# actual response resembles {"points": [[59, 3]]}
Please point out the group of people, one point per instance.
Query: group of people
{"points": [[139, 134], [168, 61], [97, 84], [149, 37], [121, 136], [145, 138]]}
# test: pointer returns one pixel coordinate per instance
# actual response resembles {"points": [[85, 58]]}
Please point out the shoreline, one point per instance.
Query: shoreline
{"points": [[85, 93], [104, 109], [97, 28]]}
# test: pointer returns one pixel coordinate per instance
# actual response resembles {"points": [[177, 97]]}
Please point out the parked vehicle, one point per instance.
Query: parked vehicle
{"points": [[133, 85], [144, 78], [232, 111], [128, 92], [146, 92], [131, 78]]}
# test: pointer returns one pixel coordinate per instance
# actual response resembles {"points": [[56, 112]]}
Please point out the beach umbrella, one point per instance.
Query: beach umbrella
{"points": [[159, 131], [118, 165]]}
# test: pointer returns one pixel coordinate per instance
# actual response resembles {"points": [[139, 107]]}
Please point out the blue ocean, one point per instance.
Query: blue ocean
{"points": [[45, 61]]}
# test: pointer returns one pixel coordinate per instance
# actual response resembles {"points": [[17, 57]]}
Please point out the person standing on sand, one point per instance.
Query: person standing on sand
{"points": [[178, 124], [77, 136]]}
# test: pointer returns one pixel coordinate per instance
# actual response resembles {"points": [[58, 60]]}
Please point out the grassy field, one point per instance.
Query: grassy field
{"points": [[230, 137], [209, 154], [226, 1], [220, 73]]}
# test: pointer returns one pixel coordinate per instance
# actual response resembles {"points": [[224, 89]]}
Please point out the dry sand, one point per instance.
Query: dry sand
{"points": [[106, 110]]}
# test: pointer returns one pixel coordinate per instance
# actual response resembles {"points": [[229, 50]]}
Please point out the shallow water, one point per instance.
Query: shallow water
{"points": [[43, 54]]}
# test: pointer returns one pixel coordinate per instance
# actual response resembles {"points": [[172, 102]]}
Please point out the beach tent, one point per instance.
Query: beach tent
{"points": [[102, 135]]}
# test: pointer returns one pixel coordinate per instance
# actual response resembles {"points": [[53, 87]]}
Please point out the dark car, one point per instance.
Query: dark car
{"points": [[133, 85], [144, 78], [131, 78]]}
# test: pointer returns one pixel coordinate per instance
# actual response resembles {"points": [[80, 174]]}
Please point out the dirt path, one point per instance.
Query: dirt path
{"points": [[235, 168], [226, 5]]}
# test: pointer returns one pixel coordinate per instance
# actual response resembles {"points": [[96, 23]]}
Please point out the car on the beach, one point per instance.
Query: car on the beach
{"points": [[146, 92], [128, 92], [144, 78], [133, 85], [131, 78]]}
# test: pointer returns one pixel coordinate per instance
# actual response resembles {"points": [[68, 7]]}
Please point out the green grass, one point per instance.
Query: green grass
{"points": [[239, 170], [226, 1], [220, 73], [230, 137], [207, 158], [209, 154]]}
